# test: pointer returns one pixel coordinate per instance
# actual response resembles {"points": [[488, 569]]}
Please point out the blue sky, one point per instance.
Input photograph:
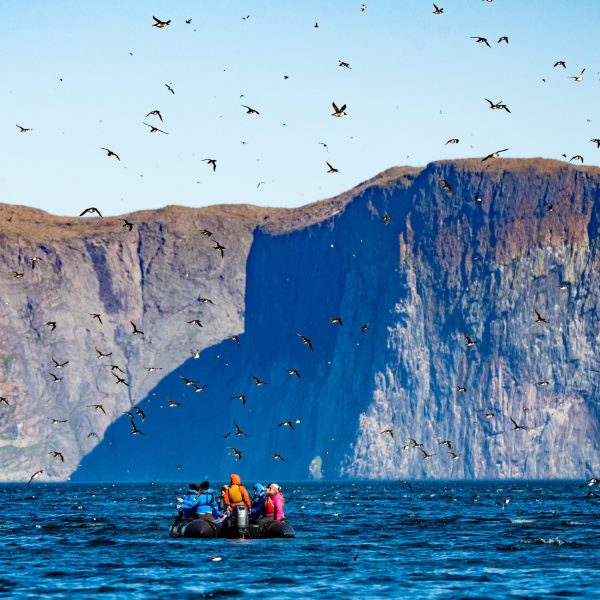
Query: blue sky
{"points": [[416, 80]]}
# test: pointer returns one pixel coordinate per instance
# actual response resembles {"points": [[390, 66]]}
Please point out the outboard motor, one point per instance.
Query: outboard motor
{"points": [[242, 519]]}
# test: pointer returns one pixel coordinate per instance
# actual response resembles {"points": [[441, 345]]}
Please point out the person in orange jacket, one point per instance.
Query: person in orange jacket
{"points": [[236, 495]]}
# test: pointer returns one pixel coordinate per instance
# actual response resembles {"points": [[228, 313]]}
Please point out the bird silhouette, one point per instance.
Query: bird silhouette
{"points": [[495, 154], [437, 10], [258, 382], [97, 316], [135, 331], [127, 224], [539, 318], [56, 454], [155, 112], [154, 129], [294, 372], [242, 398], [195, 322], [469, 341], [306, 341], [336, 321], [97, 407], [446, 185], [140, 413], [578, 77], [331, 168], [91, 210], [212, 162], [219, 248], [278, 457], [250, 111], [338, 112], [235, 452], [51, 324], [59, 365], [160, 24], [35, 475], [560, 63], [24, 129], [238, 431], [103, 354], [286, 424], [110, 153], [480, 40], [390, 432], [56, 378]]}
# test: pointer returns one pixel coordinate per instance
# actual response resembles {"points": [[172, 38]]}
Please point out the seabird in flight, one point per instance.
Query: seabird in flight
{"points": [[338, 112], [235, 452], [56, 378], [97, 407], [212, 162], [160, 24], [135, 331], [35, 475], [242, 398], [286, 424], [480, 40], [294, 372], [52, 325], [153, 129], [60, 365], [91, 210], [390, 432], [336, 320], [469, 341], [110, 153], [102, 354], [306, 341], [238, 431], [24, 129], [56, 454], [155, 112], [437, 10], [493, 155], [331, 169], [250, 110]]}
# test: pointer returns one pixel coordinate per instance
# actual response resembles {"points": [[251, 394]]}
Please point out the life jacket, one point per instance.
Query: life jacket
{"points": [[269, 507], [235, 495]]}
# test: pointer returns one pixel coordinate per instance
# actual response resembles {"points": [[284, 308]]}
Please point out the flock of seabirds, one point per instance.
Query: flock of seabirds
{"points": [[338, 112]]}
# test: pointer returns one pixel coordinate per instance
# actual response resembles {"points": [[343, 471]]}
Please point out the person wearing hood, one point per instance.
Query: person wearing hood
{"points": [[258, 500], [236, 495], [202, 504], [186, 504], [274, 503]]}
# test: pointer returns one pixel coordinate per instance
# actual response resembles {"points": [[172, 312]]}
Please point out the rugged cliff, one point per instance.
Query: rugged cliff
{"points": [[513, 237]]}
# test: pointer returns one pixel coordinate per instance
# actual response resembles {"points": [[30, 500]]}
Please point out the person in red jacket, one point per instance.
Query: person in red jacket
{"points": [[274, 504], [236, 495]]}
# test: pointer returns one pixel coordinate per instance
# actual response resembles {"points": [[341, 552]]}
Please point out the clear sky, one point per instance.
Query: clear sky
{"points": [[84, 74]]}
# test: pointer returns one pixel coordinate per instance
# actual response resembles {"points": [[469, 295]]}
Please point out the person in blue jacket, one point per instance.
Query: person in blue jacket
{"points": [[187, 503], [258, 500], [201, 505]]}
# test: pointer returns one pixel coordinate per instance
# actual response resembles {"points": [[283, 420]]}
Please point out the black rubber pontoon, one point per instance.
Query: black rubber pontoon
{"points": [[200, 528]]}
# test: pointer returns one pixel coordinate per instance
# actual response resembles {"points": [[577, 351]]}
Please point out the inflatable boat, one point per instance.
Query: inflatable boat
{"points": [[237, 526]]}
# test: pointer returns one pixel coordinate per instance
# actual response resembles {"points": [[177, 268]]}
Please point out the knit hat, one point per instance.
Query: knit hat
{"points": [[274, 486]]}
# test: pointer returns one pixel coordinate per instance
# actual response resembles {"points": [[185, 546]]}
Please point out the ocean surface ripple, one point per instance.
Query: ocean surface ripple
{"points": [[358, 539]]}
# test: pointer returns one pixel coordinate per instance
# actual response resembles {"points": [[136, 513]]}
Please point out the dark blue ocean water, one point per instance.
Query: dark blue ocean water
{"points": [[358, 540]]}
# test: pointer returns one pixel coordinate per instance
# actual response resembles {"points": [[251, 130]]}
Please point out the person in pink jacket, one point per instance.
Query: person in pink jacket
{"points": [[273, 507]]}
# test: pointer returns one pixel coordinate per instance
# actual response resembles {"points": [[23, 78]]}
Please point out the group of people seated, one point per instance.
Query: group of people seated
{"points": [[201, 501]]}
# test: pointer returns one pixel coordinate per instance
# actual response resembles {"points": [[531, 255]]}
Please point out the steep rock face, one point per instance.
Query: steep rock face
{"points": [[444, 266]]}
